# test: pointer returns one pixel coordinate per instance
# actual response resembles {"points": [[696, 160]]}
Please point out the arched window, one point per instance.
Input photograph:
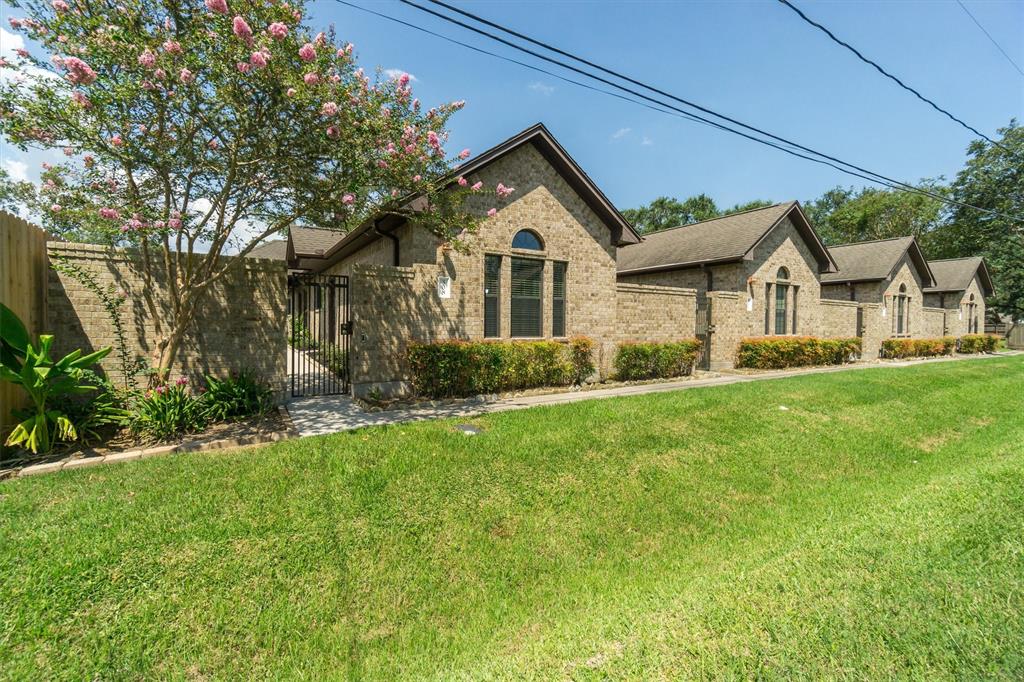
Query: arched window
{"points": [[527, 239], [902, 311], [781, 299], [783, 273], [972, 316]]}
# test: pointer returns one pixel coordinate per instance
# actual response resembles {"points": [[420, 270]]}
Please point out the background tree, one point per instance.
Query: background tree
{"points": [[666, 212], [193, 126], [993, 179], [844, 215]]}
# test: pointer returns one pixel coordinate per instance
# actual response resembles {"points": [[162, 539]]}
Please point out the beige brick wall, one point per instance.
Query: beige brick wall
{"points": [[240, 324], [837, 319], [654, 313], [957, 306], [933, 322]]}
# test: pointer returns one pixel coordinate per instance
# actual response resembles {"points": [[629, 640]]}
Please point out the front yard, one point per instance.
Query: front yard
{"points": [[872, 528]]}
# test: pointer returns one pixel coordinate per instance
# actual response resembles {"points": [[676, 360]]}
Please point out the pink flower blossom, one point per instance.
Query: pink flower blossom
{"points": [[241, 29], [492, 212], [109, 213], [218, 6], [116, 140], [329, 109], [403, 80], [394, 192], [88, 160], [433, 140], [22, 52], [46, 166], [348, 199], [172, 47], [382, 163], [278, 30], [181, 381], [81, 100], [148, 85], [307, 52], [213, 144], [68, 151], [417, 178], [174, 223], [321, 39], [243, 67], [79, 72], [61, 6], [410, 148], [186, 76], [160, 390], [476, 186], [463, 181], [159, 224], [503, 191], [55, 208], [464, 154], [160, 74], [258, 59], [291, 92], [15, 23], [311, 78], [333, 131], [147, 59]]}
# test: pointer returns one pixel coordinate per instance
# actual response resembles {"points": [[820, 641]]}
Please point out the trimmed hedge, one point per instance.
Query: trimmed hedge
{"points": [[918, 348], [656, 360], [450, 369], [779, 352], [979, 343]]}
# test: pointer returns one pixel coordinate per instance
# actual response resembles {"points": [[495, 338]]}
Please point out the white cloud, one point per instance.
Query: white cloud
{"points": [[542, 88], [18, 170], [621, 133], [394, 74], [647, 142], [10, 43]]}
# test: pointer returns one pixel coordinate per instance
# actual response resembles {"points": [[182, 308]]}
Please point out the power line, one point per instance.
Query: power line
{"points": [[877, 177], [989, 36], [888, 75]]}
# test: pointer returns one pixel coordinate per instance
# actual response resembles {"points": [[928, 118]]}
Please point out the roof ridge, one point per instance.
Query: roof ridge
{"points": [[721, 217], [872, 241], [949, 260]]}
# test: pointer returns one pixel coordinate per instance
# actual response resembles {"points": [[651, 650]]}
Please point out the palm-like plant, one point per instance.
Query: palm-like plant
{"points": [[29, 365]]}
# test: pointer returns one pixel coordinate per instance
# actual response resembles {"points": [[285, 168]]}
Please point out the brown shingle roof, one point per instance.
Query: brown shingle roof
{"points": [[275, 250], [313, 241], [955, 274], [719, 240], [875, 260]]}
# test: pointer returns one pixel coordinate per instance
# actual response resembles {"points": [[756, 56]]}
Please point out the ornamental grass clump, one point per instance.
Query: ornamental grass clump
{"points": [[637, 361], [780, 352], [449, 369]]}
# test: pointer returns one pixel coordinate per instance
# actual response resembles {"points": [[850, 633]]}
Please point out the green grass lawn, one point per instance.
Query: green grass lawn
{"points": [[875, 529]]}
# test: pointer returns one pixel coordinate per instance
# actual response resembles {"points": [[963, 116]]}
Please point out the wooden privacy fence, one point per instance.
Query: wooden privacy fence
{"points": [[1015, 337], [23, 276]]}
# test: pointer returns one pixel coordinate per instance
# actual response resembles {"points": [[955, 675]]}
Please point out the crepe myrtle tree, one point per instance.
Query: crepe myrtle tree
{"points": [[208, 126]]}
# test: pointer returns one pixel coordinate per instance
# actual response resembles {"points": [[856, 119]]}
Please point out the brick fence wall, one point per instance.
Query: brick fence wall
{"points": [[240, 324], [646, 312]]}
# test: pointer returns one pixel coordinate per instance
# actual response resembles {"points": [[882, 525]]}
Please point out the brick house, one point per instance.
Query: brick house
{"points": [[961, 285], [888, 278], [543, 267], [755, 273]]}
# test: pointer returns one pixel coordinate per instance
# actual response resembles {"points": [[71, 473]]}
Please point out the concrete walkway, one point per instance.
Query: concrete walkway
{"points": [[331, 414]]}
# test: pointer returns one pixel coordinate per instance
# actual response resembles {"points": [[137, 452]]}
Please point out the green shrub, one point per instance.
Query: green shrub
{"points": [[240, 395], [167, 412], [448, 369], [333, 357], [918, 348], [779, 352], [979, 343], [98, 415], [634, 361]]}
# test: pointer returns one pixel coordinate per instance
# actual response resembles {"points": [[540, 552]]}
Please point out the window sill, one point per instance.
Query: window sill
{"points": [[528, 252]]}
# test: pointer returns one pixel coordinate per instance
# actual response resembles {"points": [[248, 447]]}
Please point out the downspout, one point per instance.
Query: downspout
{"points": [[394, 243]]}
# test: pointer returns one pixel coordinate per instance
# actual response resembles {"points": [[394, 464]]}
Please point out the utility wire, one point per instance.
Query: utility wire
{"points": [[888, 75], [877, 177], [989, 36]]}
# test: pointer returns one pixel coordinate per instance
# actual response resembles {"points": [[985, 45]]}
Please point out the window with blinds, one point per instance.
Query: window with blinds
{"points": [[527, 274], [492, 294], [780, 308], [558, 299]]}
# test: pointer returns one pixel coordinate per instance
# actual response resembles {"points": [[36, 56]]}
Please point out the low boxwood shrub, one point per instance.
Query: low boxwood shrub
{"points": [[635, 360], [779, 352], [979, 343], [449, 369], [918, 348]]}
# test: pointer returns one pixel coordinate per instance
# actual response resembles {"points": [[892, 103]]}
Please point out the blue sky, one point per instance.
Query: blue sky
{"points": [[756, 61]]}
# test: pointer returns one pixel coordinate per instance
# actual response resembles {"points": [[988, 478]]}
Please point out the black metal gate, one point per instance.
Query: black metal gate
{"points": [[704, 329], [318, 334]]}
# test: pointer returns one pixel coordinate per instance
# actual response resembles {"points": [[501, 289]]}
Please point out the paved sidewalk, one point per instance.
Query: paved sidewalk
{"points": [[331, 414]]}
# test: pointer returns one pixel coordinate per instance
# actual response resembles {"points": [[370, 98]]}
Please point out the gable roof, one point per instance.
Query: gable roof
{"points": [[545, 143], [274, 250], [876, 261], [312, 241], [719, 240], [955, 274]]}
